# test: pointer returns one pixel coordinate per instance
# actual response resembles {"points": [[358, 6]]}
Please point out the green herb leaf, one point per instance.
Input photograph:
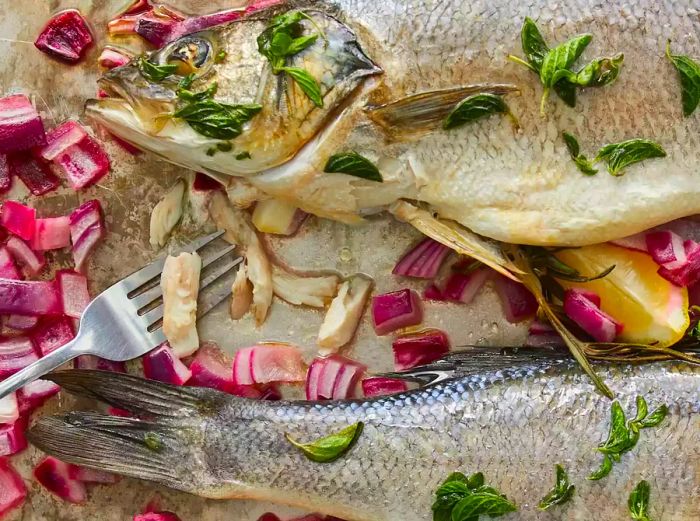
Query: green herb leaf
{"points": [[642, 411], [655, 418], [599, 73], [243, 155], [561, 493], [307, 83], [153, 72], [582, 162], [560, 58], [186, 82], [217, 120], [605, 468], [482, 504], [618, 436], [571, 144], [153, 441], [220, 56], [187, 95], [621, 155], [566, 91], [476, 481], [280, 44], [456, 476], [331, 447], [301, 43], [453, 487], [534, 45], [638, 502], [689, 72], [352, 163], [473, 108]]}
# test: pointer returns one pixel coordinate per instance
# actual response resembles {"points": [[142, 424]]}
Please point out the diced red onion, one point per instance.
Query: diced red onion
{"points": [[16, 353], [18, 219], [157, 516], [269, 516], [34, 394], [21, 322], [345, 383], [328, 376], [380, 386], [199, 23], [579, 308], [121, 413], [242, 374], [666, 248], [12, 488], [84, 163], [33, 172], [693, 293], [51, 233], [52, 333], [423, 261], [688, 273], [313, 376], [74, 292], [211, 368], [637, 242], [29, 297], [396, 310], [33, 261], [542, 334], [157, 30], [111, 58], [54, 475], [420, 348], [516, 300], [461, 287], [124, 25], [61, 138], [83, 217], [8, 268], [432, 292], [12, 440], [65, 36], [85, 245], [21, 127], [5, 174], [267, 364], [87, 475], [163, 365], [333, 378], [9, 408]]}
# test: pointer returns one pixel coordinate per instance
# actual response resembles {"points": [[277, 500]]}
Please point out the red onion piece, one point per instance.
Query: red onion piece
{"points": [[52, 333], [541, 334], [74, 292], [269, 516], [9, 408], [211, 368], [83, 217], [333, 378], [34, 395], [65, 36], [313, 376], [693, 293], [204, 183], [87, 475], [420, 348], [267, 364], [199, 23], [5, 174], [163, 365], [12, 488], [423, 261], [54, 475], [637, 242], [688, 273], [51, 233], [328, 376], [345, 383], [60, 138], [34, 173], [29, 297], [380, 386], [15, 353], [311, 517], [84, 163], [83, 248], [137, 6], [461, 287], [21, 322], [101, 364], [396, 310], [666, 248], [12, 440], [601, 326], [21, 127], [156, 516], [242, 374], [157, 30], [432, 292], [18, 219], [8, 268], [121, 413], [33, 261], [516, 300], [124, 25], [111, 58]]}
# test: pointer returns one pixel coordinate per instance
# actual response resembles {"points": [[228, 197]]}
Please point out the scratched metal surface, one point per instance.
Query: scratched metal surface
{"points": [[128, 194]]}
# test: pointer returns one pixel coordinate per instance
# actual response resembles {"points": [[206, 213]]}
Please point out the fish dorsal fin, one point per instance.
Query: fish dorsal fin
{"points": [[476, 360], [417, 114]]}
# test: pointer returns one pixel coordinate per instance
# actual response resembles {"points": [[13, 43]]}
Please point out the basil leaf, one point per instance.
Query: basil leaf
{"points": [[566, 91], [476, 481], [443, 505], [352, 163], [560, 58], [642, 411], [307, 83], [331, 447], [453, 487], [605, 468], [153, 72], [655, 418], [638, 502], [582, 162], [481, 504], [186, 82], [299, 44], [621, 155], [534, 46], [473, 108], [571, 144], [561, 493], [243, 155], [188, 95], [689, 72], [600, 72], [456, 476], [217, 120], [618, 436], [280, 44]]}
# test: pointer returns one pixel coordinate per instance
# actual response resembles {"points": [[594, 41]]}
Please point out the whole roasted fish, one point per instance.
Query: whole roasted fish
{"points": [[390, 71], [512, 417]]}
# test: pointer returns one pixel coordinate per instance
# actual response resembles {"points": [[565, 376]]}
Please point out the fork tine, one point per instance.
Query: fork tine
{"points": [[218, 272], [154, 269]]}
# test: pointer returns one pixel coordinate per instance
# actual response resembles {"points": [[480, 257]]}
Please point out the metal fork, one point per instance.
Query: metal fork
{"points": [[125, 321]]}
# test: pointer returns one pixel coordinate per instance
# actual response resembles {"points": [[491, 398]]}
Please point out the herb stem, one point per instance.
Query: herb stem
{"points": [[520, 61]]}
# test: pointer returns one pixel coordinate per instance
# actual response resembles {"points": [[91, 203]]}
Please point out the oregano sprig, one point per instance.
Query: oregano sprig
{"points": [[561, 493], [638, 502], [689, 73], [462, 498]]}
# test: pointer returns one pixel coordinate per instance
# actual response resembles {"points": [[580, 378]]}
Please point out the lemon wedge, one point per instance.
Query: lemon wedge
{"points": [[650, 307]]}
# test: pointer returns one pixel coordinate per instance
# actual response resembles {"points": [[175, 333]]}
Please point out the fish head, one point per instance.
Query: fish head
{"points": [[142, 109]]}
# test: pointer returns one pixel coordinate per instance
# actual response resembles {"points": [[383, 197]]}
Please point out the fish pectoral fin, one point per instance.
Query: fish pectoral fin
{"points": [[456, 237], [420, 113], [475, 360]]}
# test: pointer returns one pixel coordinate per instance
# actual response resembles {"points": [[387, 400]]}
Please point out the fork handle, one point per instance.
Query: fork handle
{"points": [[39, 368]]}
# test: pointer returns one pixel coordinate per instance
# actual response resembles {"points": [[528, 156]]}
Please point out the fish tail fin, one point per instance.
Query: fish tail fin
{"points": [[164, 447]]}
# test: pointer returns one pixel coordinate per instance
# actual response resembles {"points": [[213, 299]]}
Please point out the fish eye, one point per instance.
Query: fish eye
{"points": [[190, 54]]}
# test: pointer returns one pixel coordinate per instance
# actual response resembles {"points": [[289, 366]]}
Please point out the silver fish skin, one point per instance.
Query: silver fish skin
{"points": [[512, 424], [513, 186]]}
